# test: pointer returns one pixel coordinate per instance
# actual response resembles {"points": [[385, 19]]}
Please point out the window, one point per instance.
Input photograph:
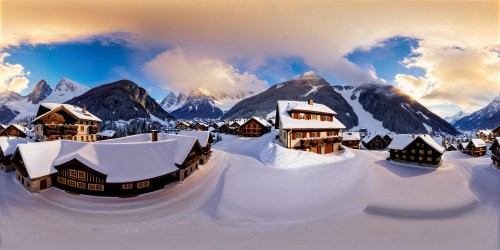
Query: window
{"points": [[314, 117], [429, 159], [81, 138], [61, 180], [412, 158], [143, 184], [404, 157], [396, 156], [404, 151], [421, 152], [429, 151], [82, 128], [81, 185], [128, 186], [96, 187], [72, 183], [299, 135], [420, 158], [72, 173], [413, 151], [418, 144], [82, 175]]}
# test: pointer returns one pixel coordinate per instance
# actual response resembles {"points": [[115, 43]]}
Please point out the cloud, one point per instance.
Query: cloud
{"points": [[177, 71], [468, 77], [12, 76]]}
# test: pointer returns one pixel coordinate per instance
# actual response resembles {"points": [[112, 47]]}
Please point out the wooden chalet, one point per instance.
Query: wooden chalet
{"points": [[234, 127], [254, 127], [95, 169], [7, 149], [374, 142], [388, 137], [416, 149], [495, 152], [308, 126], [200, 126], [451, 147], [205, 139], [55, 121], [224, 129], [476, 147], [462, 146], [183, 125], [351, 140], [496, 132], [485, 135], [15, 130]]}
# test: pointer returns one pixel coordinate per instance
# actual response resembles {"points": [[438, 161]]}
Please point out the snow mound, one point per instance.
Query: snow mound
{"points": [[276, 156]]}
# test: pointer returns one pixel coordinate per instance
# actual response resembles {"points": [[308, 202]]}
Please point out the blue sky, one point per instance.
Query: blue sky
{"points": [[96, 62]]}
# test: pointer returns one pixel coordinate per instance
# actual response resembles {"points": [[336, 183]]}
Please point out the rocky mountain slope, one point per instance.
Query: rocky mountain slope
{"points": [[485, 118]]}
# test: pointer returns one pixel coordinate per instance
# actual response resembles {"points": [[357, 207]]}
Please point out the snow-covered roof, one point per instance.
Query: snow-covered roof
{"points": [[2, 126], [183, 123], [23, 129], [484, 131], [401, 141], [287, 122], [202, 136], [370, 137], [464, 144], [162, 156], [239, 122], [8, 145], [107, 133], [478, 143], [390, 135], [220, 124], [263, 122], [314, 108], [75, 111], [351, 136]]}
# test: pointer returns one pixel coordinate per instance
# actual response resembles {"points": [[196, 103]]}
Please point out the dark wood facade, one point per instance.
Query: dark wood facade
{"points": [[418, 151], [224, 129], [253, 128], [495, 152], [355, 144], [182, 126], [388, 139], [475, 151], [199, 127], [376, 143], [13, 131]]}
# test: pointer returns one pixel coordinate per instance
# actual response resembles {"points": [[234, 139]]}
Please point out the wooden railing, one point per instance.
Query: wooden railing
{"points": [[319, 141]]}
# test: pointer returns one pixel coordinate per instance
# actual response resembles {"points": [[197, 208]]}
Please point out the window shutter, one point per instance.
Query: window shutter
{"points": [[308, 116], [294, 136]]}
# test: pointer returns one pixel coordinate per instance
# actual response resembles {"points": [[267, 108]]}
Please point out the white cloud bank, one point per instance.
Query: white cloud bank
{"points": [[12, 76], [178, 71]]}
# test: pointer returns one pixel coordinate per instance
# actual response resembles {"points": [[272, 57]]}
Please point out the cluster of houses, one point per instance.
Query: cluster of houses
{"points": [[64, 153], [65, 150]]}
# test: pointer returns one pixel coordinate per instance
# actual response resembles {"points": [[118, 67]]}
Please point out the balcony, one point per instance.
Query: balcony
{"points": [[60, 130], [319, 141]]}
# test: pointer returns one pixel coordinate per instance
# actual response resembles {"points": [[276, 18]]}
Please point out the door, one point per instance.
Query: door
{"points": [[43, 184], [329, 149]]}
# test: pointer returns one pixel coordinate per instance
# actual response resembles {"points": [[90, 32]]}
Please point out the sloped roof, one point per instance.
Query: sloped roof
{"points": [[401, 141], [262, 122], [370, 137], [314, 108], [478, 143], [41, 158], [287, 122], [8, 145], [351, 136], [202, 136], [107, 133], [75, 111]]}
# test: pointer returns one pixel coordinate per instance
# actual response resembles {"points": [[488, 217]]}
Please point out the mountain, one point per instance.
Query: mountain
{"points": [[121, 100], [198, 105], [172, 101], [485, 118], [384, 108], [454, 118], [307, 86], [40, 92], [14, 106], [201, 103]]}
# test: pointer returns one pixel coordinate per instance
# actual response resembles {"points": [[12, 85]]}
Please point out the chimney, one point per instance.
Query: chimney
{"points": [[84, 108], [154, 135], [310, 101]]}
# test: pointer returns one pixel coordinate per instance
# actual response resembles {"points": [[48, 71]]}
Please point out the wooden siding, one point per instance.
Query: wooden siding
{"points": [[417, 152]]}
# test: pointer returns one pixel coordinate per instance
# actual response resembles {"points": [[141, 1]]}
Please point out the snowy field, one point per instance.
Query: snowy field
{"points": [[255, 194]]}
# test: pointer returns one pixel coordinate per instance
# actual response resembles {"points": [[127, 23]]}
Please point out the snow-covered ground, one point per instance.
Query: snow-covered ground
{"points": [[243, 199]]}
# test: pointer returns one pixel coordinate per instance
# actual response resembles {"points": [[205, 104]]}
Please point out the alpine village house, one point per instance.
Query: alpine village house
{"points": [[56, 121], [254, 127], [308, 126], [94, 169], [374, 142], [416, 149]]}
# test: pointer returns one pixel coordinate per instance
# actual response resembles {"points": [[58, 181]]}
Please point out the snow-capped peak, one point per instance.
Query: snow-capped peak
{"points": [[68, 85], [309, 75]]}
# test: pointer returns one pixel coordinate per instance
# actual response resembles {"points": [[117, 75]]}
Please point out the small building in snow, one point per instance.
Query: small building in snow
{"points": [[476, 147], [200, 126], [205, 139], [451, 147], [106, 134], [122, 167], [55, 121], [308, 126], [418, 149], [16, 130], [7, 149], [351, 140], [495, 152], [255, 127], [181, 125], [234, 127], [374, 142], [485, 135]]}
